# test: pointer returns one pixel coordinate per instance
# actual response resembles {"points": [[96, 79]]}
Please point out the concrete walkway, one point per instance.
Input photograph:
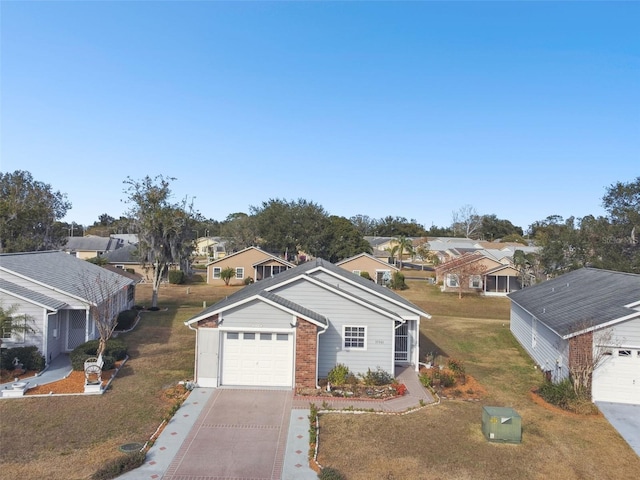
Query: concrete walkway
{"points": [[58, 368]]}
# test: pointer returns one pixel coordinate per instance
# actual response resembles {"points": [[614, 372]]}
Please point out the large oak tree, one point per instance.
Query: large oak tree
{"points": [[30, 213], [164, 228]]}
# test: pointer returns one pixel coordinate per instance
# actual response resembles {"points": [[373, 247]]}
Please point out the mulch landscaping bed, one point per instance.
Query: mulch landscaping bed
{"points": [[10, 375], [74, 383]]}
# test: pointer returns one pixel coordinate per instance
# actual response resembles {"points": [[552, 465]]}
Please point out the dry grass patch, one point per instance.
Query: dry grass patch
{"points": [[71, 437], [446, 441]]}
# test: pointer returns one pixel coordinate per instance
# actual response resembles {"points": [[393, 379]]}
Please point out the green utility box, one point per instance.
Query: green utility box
{"points": [[501, 424]]}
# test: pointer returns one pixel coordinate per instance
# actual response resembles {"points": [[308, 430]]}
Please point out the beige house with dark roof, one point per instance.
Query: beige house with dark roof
{"points": [[377, 269], [252, 262]]}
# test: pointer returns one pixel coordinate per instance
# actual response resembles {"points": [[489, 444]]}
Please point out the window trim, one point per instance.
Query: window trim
{"points": [[216, 272], [240, 273], [452, 280], [354, 338]]}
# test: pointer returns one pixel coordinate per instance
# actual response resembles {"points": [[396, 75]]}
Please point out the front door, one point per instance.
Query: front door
{"points": [[402, 343]]}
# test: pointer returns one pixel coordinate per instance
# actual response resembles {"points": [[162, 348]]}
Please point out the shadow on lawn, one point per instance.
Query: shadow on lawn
{"points": [[429, 347]]}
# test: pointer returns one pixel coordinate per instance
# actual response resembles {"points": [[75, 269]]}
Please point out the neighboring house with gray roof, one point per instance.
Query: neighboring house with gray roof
{"points": [[291, 329], [584, 314], [56, 290], [91, 246]]}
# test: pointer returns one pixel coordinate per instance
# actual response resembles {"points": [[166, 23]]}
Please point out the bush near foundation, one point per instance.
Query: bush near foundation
{"points": [[29, 357], [116, 350]]}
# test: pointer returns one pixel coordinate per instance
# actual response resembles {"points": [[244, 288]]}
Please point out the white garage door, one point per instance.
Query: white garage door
{"points": [[617, 379], [257, 359]]}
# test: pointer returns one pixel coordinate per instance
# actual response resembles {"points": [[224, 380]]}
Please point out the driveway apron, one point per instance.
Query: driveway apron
{"points": [[240, 434]]}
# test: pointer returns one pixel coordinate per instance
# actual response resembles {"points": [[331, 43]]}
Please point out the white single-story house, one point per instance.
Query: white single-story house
{"points": [[56, 291], [587, 314], [291, 329]]}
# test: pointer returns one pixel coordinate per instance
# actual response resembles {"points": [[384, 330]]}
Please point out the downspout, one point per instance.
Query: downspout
{"points": [[195, 363], [318, 352], [86, 324], [417, 354], [45, 337]]}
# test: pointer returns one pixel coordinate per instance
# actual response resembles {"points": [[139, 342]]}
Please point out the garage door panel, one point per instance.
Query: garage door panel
{"points": [[257, 359], [617, 379]]}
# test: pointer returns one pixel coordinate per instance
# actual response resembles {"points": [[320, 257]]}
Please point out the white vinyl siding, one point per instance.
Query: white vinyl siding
{"points": [[343, 311], [366, 295], [550, 353], [257, 314]]}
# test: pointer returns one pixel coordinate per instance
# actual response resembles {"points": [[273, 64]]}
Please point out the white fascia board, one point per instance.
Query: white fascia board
{"points": [[603, 325]]}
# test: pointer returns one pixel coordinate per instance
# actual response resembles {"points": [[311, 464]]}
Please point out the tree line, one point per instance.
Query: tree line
{"points": [[31, 213]]}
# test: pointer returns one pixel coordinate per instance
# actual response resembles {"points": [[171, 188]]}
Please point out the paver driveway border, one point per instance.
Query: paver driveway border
{"points": [[241, 433]]}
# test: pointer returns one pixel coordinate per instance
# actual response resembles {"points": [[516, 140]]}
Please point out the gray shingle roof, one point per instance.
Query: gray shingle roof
{"points": [[63, 272], [588, 296], [126, 254], [263, 286], [92, 243], [22, 292]]}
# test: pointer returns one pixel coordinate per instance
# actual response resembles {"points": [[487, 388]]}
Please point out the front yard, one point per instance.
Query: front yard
{"points": [[446, 442], [71, 437]]}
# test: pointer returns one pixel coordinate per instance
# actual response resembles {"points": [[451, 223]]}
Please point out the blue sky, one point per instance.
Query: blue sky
{"points": [[414, 109]]}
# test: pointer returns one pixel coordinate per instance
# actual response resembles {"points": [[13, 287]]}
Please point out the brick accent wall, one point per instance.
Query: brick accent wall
{"points": [[581, 350], [211, 322], [306, 351]]}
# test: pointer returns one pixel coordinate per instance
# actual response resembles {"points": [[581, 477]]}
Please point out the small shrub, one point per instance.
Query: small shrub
{"points": [[365, 274], [29, 357], [116, 350], [176, 277], [119, 465], [447, 379], [248, 280], [339, 374], [397, 281], [328, 473], [227, 274], [376, 378], [456, 366], [425, 380], [560, 394], [126, 319]]}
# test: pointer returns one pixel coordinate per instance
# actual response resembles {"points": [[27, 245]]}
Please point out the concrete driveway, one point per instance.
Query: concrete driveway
{"points": [[625, 419], [240, 434]]}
